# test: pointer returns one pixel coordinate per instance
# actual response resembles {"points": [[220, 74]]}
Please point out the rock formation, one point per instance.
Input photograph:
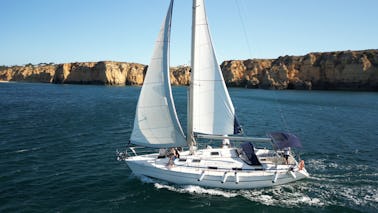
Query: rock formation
{"points": [[29, 73], [104, 72], [180, 75], [354, 70]]}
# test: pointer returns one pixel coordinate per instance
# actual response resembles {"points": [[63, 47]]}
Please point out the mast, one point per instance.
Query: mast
{"points": [[189, 135]]}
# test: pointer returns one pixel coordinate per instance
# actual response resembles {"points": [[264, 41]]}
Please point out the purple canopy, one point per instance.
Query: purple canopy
{"points": [[284, 139]]}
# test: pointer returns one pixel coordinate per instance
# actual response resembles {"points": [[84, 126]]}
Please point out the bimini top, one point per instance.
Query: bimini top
{"points": [[284, 139]]}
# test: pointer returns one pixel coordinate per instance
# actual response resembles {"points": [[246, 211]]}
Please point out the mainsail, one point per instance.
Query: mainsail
{"points": [[156, 123], [212, 108]]}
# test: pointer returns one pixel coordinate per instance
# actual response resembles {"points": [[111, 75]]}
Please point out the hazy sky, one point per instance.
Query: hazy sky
{"points": [[59, 31]]}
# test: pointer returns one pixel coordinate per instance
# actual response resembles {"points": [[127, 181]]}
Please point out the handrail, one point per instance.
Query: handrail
{"points": [[240, 138]]}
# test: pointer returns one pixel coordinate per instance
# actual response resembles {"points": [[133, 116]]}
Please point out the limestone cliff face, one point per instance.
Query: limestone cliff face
{"points": [[180, 75], [29, 73], [331, 70], [355, 70], [104, 72]]}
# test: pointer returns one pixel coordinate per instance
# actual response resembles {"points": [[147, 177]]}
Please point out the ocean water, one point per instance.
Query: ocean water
{"points": [[58, 144]]}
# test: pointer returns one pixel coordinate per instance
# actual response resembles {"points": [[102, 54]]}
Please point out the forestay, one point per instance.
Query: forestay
{"points": [[213, 111], [156, 123]]}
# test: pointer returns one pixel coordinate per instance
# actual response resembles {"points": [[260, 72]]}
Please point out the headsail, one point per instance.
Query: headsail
{"points": [[213, 111], [156, 123]]}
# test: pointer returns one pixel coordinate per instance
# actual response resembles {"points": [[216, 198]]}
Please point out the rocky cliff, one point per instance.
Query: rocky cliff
{"points": [[104, 72], [355, 70]]}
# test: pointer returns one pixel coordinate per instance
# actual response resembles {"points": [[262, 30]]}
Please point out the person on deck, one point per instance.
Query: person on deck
{"points": [[173, 154], [286, 154]]}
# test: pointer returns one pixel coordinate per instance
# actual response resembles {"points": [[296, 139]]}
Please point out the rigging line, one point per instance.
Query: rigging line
{"points": [[282, 116], [244, 28]]}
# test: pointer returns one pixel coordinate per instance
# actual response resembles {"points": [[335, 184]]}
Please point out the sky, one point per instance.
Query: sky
{"points": [[63, 31]]}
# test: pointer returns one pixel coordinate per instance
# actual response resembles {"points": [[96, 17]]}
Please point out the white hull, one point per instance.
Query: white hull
{"points": [[227, 171]]}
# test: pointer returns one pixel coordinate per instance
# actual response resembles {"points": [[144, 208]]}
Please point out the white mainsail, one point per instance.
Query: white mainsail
{"points": [[156, 123], [212, 109]]}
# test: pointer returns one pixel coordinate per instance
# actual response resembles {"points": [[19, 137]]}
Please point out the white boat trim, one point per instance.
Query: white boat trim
{"points": [[236, 138], [187, 173]]}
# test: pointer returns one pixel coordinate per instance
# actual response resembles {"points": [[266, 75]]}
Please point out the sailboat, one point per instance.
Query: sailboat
{"points": [[235, 162]]}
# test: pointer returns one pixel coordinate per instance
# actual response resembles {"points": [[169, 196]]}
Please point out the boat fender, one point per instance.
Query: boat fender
{"points": [[236, 178], [202, 176], [121, 156], [275, 177], [224, 177], [301, 165]]}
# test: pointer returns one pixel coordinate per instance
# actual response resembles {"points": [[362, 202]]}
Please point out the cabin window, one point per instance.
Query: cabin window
{"points": [[212, 167], [182, 160], [214, 153], [196, 160]]}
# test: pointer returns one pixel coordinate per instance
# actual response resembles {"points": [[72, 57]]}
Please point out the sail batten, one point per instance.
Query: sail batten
{"points": [[156, 123]]}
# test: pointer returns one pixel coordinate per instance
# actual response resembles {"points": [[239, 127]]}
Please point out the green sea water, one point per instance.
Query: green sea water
{"points": [[58, 144]]}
